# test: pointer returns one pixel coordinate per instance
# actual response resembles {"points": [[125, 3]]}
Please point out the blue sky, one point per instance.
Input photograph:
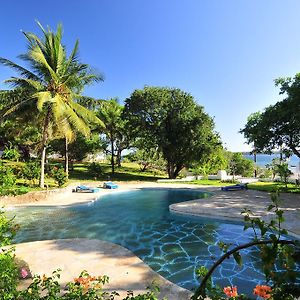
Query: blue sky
{"points": [[225, 53]]}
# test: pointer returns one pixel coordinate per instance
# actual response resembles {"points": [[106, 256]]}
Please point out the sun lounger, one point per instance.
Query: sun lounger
{"points": [[235, 187], [86, 189], [109, 185]]}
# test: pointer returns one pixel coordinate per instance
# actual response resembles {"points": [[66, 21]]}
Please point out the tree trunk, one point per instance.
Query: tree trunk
{"points": [[177, 170], [119, 151], [171, 171], [255, 171], [44, 146], [112, 157], [42, 177], [66, 158]]}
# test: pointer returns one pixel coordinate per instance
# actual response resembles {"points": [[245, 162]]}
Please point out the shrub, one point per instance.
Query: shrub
{"points": [[59, 175], [8, 268], [31, 171], [7, 180], [11, 153]]}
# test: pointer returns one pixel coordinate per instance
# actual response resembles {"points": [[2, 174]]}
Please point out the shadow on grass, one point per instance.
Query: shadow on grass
{"points": [[81, 173]]}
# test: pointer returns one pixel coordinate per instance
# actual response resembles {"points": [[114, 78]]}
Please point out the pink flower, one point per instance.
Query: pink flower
{"points": [[24, 273]]}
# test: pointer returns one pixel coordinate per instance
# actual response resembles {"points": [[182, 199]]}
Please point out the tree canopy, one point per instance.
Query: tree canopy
{"points": [[49, 87], [171, 120], [278, 126]]}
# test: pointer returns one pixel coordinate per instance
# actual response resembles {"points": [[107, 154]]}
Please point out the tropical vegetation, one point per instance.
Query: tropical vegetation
{"points": [[48, 88], [278, 126]]}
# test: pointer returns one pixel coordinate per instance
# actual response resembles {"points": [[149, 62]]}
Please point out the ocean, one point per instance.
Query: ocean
{"points": [[263, 159]]}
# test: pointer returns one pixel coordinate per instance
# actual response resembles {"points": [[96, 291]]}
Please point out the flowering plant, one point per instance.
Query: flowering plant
{"points": [[277, 257]]}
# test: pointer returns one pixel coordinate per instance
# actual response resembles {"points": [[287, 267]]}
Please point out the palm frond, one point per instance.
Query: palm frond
{"points": [[22, 71], [42, 98], [86, 114], [24, 83], [14, 108], [38, 55]]}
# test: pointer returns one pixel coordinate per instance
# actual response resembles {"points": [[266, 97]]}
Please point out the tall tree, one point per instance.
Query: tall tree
{"points": [[174, 123], [53, 81], [110, 113], [278, 126]]}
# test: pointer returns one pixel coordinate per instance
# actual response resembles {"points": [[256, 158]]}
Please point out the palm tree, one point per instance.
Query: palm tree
{"points": [[53, 83], [109, 113]]}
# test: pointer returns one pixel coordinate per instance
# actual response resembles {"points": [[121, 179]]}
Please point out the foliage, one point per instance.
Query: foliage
{"points": [[95, 170], [240, 165], [22, 129], [148, 158], [10, 153], [211, 163], [278, 126], [31, 171], [277, 259], [51, 85], [173, 122], [59, 175], [284, 172], [7, 180], [110, 113], [79, 148], [8, 268]]}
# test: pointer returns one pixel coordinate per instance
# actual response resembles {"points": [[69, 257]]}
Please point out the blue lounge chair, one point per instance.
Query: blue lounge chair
{"points": [[236, 187], [86, 189], [110, 185]]}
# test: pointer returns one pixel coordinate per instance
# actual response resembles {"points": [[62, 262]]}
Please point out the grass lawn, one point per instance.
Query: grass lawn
{"points": [[212, 182], [127, 172], [274, 186]]}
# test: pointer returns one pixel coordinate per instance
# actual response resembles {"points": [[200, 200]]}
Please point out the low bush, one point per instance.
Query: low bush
{"points": [[59, 176], [10, 153], [31, 171], [7, 180]]}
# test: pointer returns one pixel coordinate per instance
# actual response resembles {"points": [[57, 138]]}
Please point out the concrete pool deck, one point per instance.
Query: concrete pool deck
{"points": [[126, 271]]}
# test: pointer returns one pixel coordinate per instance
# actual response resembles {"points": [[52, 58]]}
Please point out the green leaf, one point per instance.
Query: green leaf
{"points": [[238, 258]]}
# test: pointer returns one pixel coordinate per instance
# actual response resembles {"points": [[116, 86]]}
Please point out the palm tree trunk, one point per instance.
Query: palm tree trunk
{"points": [[42, 176], [44, 146], [66, 158]]}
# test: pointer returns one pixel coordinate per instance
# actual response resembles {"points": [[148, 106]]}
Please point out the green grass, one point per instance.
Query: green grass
{"points": [[127, 172], [212, 182], [273, 187]]}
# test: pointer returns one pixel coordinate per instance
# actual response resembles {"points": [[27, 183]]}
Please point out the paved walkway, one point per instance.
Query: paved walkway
{"points": [[228, 205], [124, 269]]}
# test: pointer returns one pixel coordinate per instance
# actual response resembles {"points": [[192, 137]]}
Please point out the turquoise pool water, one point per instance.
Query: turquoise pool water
{"points": [[172, 245]]}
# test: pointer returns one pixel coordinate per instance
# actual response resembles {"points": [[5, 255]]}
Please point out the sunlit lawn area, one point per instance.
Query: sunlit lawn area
{"points": [[127, 172], [274, 186]]}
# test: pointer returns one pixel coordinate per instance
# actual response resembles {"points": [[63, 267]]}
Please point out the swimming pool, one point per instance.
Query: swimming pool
{"points": [[139, 220]]}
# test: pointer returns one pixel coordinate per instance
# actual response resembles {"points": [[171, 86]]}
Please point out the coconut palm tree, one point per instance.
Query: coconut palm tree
{"points": [[53, 82]]}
